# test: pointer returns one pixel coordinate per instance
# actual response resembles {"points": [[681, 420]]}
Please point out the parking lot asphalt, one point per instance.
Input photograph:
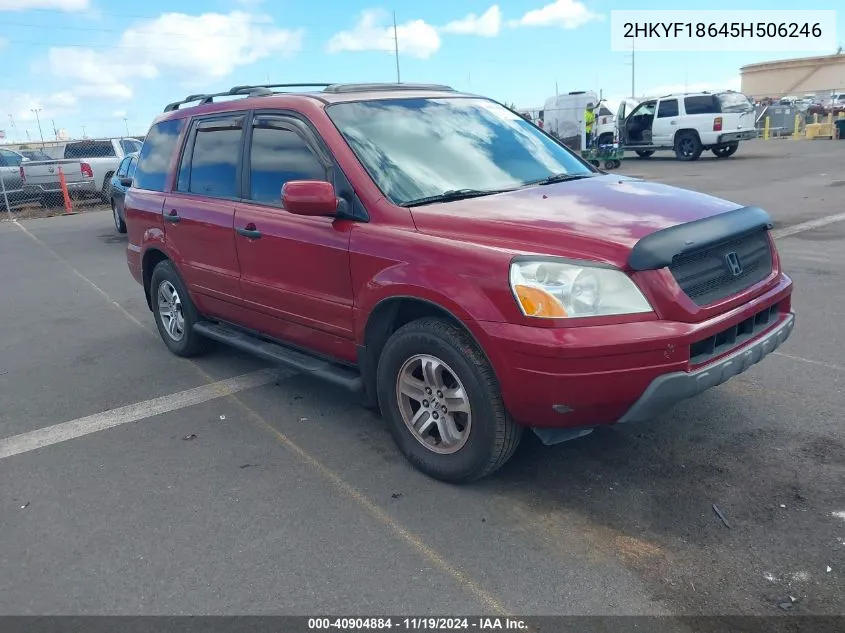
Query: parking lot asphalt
{"points": [[269, 492]]}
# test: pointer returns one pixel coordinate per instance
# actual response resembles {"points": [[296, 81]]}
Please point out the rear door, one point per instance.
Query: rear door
{"points": [[295, 273], [665, 122], [199, 213]]}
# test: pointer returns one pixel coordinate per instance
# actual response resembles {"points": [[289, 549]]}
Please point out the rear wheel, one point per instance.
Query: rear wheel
{"points": [[688, 146], [724, 151], [442, 403], [645, 153], [105, 193], [175, 313]]}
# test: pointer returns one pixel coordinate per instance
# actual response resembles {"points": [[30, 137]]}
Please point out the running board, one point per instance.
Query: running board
{"points": [[298, 361]]}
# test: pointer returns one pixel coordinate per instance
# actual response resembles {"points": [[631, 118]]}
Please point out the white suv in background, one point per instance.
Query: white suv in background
{"points": [[687, 124]]}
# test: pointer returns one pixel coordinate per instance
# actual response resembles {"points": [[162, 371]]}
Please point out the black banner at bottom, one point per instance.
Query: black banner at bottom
{"points": [[402, 624]]}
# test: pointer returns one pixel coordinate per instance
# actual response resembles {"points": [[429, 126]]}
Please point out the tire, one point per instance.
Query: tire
{"points": [[688, 146], [105, 193], [644, 153], [119, 223], [184, 341], [484, 436], [725, 151]]}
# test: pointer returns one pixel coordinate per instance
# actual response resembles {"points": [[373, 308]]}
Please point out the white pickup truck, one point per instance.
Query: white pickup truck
{"points": [[102, 155], [41, 180]]}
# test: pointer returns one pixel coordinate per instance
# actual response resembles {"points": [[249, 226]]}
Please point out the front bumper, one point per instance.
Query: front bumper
{"points": [[733, 137], [669, 389]]}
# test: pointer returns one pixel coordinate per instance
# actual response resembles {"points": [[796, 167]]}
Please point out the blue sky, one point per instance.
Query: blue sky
{"points": [[91, 63]]}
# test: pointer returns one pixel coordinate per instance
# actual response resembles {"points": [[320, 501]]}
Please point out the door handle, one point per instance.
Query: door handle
{"points": [[173, 216], [249, 231]]}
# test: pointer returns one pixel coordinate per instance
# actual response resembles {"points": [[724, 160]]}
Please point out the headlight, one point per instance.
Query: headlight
{"points": [[551, 289]]}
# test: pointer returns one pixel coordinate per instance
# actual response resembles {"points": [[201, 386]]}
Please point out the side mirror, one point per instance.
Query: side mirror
{"points": [[126, 182], [309, 197]]}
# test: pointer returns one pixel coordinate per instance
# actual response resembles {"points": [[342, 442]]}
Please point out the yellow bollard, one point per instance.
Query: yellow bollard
{"points": [[766, 130], [796, 133]]}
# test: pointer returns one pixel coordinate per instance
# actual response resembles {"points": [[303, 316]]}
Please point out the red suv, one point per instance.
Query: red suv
{"points": [[447, 258]]}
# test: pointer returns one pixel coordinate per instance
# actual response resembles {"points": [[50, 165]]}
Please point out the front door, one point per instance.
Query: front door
{"points": [[199, 213], [665, 123], [295, 270]]}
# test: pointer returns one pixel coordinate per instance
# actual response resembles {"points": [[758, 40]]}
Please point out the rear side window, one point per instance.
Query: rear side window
{"points": [[210, 163], [278, 155], [90, 149], [706, 104], [156, 154], [667, 108]]}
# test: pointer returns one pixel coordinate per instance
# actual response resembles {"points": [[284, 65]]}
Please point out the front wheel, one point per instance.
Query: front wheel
{"points": [[442, 402], [724, 151]]}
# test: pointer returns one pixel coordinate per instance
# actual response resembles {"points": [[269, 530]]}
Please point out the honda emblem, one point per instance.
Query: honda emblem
{"points": [[734, 265]]}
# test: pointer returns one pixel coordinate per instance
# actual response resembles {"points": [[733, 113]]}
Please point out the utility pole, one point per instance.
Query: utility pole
{"points": [[396, 48], [126, 123], [83, 131], [633, 67], [13, 126], [55, 131], [38, 119]]}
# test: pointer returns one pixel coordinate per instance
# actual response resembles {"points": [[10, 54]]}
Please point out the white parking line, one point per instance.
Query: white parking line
{"points": [[65, 431], [808, 226]]}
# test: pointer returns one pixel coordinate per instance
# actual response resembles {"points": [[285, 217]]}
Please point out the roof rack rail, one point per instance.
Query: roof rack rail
{"points": [[259, 90], [342, 88]]}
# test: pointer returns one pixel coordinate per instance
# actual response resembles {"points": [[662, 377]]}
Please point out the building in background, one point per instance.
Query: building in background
{"points": [[819, 76]]}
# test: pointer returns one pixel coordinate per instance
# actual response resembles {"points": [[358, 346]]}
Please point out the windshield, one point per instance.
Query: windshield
{"points": [[735, 102], [417, 148]]}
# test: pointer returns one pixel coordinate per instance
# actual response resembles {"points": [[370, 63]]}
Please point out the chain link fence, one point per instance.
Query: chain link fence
{"points": [[60, 176]]}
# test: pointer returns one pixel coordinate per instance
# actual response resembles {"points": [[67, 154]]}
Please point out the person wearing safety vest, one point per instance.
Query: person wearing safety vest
{"points": [[589, 119]]}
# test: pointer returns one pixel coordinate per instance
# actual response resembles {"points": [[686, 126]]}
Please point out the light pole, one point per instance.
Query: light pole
{"points": [[83, 131], [37, 110], [126, 123], [14, 127]]}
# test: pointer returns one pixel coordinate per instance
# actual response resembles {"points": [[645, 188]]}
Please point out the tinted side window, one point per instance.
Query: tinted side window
{"points": [[156, 153], [90, 149], [211, 168], [701, 105], [278, 155], [667, 108], [133, 163]]}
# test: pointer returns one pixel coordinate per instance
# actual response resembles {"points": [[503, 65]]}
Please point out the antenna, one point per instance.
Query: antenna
{"points": [[396, 47], [633, 66]]}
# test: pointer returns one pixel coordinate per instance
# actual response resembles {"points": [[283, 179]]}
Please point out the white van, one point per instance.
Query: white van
{"points": [[564, 116]]}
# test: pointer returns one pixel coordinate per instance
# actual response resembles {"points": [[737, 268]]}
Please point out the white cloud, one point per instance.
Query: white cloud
{"points": [[61, 5], [488, 24], [416, 38], [21, 104], [566, 14], [119, 114]]}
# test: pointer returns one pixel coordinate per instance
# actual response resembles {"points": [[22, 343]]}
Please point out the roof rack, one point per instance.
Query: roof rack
{"points": [[374, 87], [261, 90]]}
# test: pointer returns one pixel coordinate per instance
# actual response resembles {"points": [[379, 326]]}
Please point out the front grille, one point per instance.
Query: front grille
{"points": [[733, 337], [707, 276]]}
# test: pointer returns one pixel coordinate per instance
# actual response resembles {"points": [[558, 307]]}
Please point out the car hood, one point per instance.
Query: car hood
{"points": [[599, 218]]}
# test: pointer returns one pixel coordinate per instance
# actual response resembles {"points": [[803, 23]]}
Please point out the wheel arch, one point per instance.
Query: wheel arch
{"points": [[153, 256], [390, 314]]}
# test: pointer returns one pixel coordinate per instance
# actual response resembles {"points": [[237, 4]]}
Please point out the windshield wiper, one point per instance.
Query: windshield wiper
{"points": [[559, 178], [454, 194]]}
